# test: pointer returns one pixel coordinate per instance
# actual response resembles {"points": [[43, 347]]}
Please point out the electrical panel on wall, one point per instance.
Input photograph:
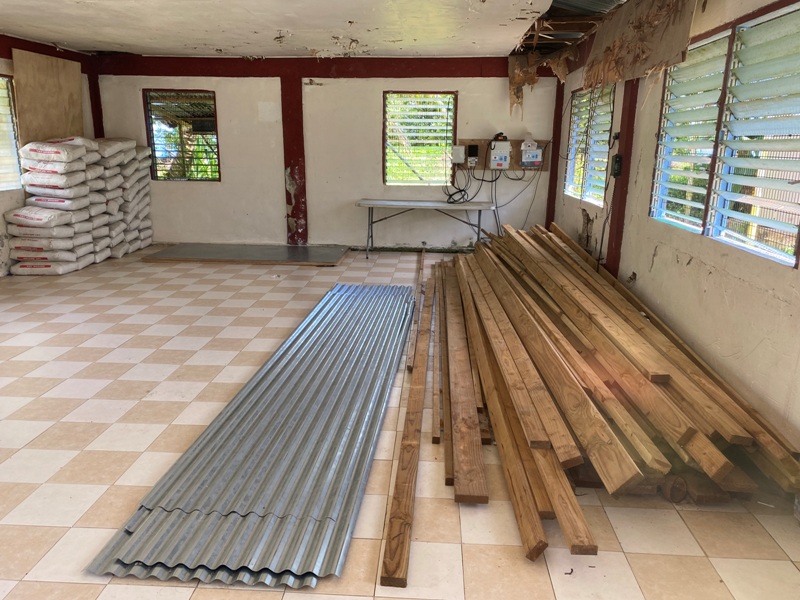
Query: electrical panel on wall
{"points": [[531, 154], [500, 155], [479, 154]]}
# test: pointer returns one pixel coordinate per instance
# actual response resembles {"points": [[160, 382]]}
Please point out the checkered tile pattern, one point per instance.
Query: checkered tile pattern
{"points": [[107, 375]]}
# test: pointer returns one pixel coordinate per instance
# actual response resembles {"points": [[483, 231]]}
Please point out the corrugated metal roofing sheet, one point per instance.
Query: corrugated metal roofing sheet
{"points": [[269, 493]]}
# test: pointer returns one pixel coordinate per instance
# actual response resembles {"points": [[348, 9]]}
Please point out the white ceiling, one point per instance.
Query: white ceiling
{"points": [[276, 28]]}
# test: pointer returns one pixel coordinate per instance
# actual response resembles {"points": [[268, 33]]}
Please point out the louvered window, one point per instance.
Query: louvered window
{"points": [[737, 115], [418, 136], [756, 199], [182, 131], [589, 138], [9, 163], [688, 132]]}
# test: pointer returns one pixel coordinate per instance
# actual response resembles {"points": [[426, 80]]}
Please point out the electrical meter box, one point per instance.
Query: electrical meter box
{"points": [[531, 154], [500, 155]]}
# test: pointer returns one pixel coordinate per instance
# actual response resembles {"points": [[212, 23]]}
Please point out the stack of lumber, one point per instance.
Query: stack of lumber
{"points": [[578, 378]]}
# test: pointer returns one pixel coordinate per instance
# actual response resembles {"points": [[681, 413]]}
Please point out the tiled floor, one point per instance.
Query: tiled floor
{"points": [[108, 374]]}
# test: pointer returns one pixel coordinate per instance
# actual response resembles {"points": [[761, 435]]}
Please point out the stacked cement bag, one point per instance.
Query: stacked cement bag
{"points": [[73, 217], [127, 195]]}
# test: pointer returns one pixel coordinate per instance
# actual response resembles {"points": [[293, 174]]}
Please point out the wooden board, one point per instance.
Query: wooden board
{"points": [[615, 467], [470, 483], [48, 94], [447, 434], [412, 344], [394, 570]]}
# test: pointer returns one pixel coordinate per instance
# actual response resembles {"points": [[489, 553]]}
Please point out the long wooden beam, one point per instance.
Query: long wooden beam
{"points": [[394, 571], [468, 469]]}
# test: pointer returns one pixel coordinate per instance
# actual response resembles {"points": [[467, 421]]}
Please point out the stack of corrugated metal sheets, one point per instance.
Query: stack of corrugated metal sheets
{"points": [[270, 492]]}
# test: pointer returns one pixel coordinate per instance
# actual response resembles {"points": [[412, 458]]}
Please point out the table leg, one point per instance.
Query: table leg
{"points": [[369, 230], [478, 237]]}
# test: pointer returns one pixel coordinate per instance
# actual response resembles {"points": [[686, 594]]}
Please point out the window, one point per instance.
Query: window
{"points": [[9, 162], [418, 136], [588, 146], [738, 178], [182, 131]]}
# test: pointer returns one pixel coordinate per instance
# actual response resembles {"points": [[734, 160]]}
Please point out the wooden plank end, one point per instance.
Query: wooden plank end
{"points": [[472, 498], [393, 581], [533, 553], [658, 377], [584, 549], [449, 480]]}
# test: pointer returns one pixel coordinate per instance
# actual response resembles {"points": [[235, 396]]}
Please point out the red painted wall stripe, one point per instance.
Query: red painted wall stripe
{"points": [[294, 160], [619, 199]]}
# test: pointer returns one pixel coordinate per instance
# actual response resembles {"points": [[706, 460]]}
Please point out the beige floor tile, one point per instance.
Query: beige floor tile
{"points": [[652, 531], [132, 580], [89, 355], [431, 452], [218, 392], [19, 368], [759, 579], [606, 576], [9, 405], [127, 390], [599, 525], [359, 575], [148, 468], [175, 391], [148, 372], [104, 370], [150, 592], [250, 359], [763, 503], [11, 494], [156, 412], [176, 438], [430, 481], [100, 411], [529, 580], [785, 529], [17, 434], [113, 509], [670, 577], [68, 436], [46, 409], [436, 520], [195, 373], [34, 466], [732, 535], [199, 413], [371, 517], [492, 523], [95, 467], [66, 561], [28, 387], [169, 357], [127, 437], [54, 505], [435, 571], [379, 475], [37, 590], [78, 388], [22, 547]]}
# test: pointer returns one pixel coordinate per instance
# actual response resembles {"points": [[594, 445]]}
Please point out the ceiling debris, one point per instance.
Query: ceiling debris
{"points": [[639, 39]]}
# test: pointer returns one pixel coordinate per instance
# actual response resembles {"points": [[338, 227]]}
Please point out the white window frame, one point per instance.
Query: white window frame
{"points": [[9, 142], [748, 201], [589, 143]]}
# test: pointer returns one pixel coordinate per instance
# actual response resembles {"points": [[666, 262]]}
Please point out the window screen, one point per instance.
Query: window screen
{"points": [[418, 136], [588, 146], [9, 163], [756, 199], [688, 134], [182, 131], [734, 109]]}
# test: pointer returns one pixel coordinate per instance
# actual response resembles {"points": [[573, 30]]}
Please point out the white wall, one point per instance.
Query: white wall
{"points": [[739, 311], [248, 205], [343, 143]]}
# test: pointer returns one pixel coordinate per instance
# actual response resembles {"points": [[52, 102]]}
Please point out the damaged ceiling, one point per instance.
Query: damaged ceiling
{"points": [[276, 28]]}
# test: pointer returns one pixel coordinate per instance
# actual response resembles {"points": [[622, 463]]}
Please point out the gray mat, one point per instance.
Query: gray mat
{"points": [[317, 256]]}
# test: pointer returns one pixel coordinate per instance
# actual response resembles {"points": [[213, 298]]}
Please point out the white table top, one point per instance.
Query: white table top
{"points": [[424, 204]]}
